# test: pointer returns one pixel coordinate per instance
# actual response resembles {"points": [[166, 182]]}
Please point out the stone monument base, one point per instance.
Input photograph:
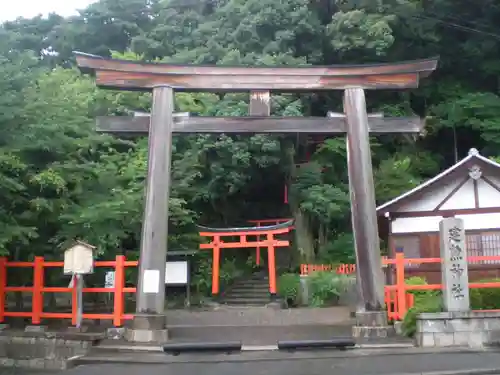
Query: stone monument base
{"points": [[372, 325], [466, 329], [148, 329]]}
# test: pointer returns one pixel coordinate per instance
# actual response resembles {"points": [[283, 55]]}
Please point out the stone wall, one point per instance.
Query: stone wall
{"points": [[43, 349], [465, 329]]}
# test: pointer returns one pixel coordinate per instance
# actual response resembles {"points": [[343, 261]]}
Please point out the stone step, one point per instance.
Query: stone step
{"points": [[258, 335], [248, 316], [251, 283], [246, 301], [255, 276], [258, 288], [247, 292], [249, 299], [249, 287]]}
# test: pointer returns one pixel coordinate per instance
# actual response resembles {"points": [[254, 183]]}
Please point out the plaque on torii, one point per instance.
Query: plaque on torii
{"points": [[164, 79]]}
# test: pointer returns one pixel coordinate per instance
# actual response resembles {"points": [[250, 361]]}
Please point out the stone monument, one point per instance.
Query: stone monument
{"points": [[457, 325], [454, 270]]}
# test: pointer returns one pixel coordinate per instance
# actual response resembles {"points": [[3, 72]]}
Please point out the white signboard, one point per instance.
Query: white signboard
{"points": [[176, 273], [109, 279], [78, 259], [151, 281]]}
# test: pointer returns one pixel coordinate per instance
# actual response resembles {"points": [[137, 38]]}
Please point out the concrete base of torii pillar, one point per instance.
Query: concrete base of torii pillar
{"points": [[148, 329], [372, 325]]}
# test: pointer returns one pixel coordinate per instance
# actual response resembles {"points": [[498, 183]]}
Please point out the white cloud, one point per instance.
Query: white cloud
{"points": [[12, 9]]}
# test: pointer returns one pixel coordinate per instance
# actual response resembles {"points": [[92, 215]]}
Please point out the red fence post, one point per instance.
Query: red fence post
{"points": [[119, 307], [3, 284], [400, 285], [215, 265], [37, 295], [410, 300]]}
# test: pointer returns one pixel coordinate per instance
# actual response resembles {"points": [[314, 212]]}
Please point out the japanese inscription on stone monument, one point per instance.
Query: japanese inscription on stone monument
{"points": [[454, 265]]}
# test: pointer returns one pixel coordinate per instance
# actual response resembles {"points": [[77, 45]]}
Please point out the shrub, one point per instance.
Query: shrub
{"points": [[421, 294], [289, 288], [425, 301], [431, 304], [485, 299], [325, 288]]}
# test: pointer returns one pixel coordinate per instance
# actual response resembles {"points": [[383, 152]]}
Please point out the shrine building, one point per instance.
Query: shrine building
{"points": [[470, 190]]}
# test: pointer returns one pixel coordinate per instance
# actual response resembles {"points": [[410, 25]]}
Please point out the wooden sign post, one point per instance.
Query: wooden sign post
{"points": [[163, 79], [79, 261]]}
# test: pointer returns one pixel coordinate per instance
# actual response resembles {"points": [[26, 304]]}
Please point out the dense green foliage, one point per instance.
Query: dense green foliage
{"points": [[485, 298], [289, 288], [425, 301], [323, 288], [59, 179]]}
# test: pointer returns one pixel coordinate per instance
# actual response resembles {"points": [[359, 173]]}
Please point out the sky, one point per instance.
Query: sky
{"points": [[11, 9]]}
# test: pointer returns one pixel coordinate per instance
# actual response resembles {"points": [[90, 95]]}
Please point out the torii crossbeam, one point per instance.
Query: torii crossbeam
{"points": [[163, 79]]}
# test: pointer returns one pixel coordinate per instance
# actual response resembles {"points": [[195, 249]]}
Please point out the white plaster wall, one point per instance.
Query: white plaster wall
{"points": [[431, 223], [430, 199], [488, 196], [462, 198]]}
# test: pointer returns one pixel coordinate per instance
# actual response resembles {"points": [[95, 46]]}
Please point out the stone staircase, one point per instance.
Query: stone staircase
{"points": [[250, 291]]}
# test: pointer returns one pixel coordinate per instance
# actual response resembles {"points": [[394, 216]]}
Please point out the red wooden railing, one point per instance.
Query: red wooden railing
{"points": [[398, 298], [341, 269], [400, 289], [37, 313]]}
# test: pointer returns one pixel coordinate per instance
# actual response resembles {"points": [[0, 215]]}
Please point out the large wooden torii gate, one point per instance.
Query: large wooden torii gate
{"points": [[163, 79]]}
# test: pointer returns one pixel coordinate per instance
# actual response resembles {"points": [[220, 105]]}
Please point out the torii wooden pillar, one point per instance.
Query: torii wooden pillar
{"points": [[163, 79]]}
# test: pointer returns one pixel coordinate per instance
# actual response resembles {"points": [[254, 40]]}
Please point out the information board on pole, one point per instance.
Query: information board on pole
{"points": [[176, 272]]}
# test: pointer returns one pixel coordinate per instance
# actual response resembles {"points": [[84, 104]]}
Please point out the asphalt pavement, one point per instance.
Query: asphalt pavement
{"points": [[302, 365]]}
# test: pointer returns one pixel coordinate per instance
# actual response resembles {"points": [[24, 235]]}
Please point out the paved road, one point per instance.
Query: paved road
{"points": [[18, 371], [363, 365], [295, 364]]}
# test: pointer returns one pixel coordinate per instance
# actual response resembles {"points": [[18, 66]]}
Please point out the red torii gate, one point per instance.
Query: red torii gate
{"points": [[217, 243], [164, 79]]}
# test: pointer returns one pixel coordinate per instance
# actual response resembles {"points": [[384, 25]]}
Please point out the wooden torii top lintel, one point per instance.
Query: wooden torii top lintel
{"points": [[136, 75], [242, 230]]}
